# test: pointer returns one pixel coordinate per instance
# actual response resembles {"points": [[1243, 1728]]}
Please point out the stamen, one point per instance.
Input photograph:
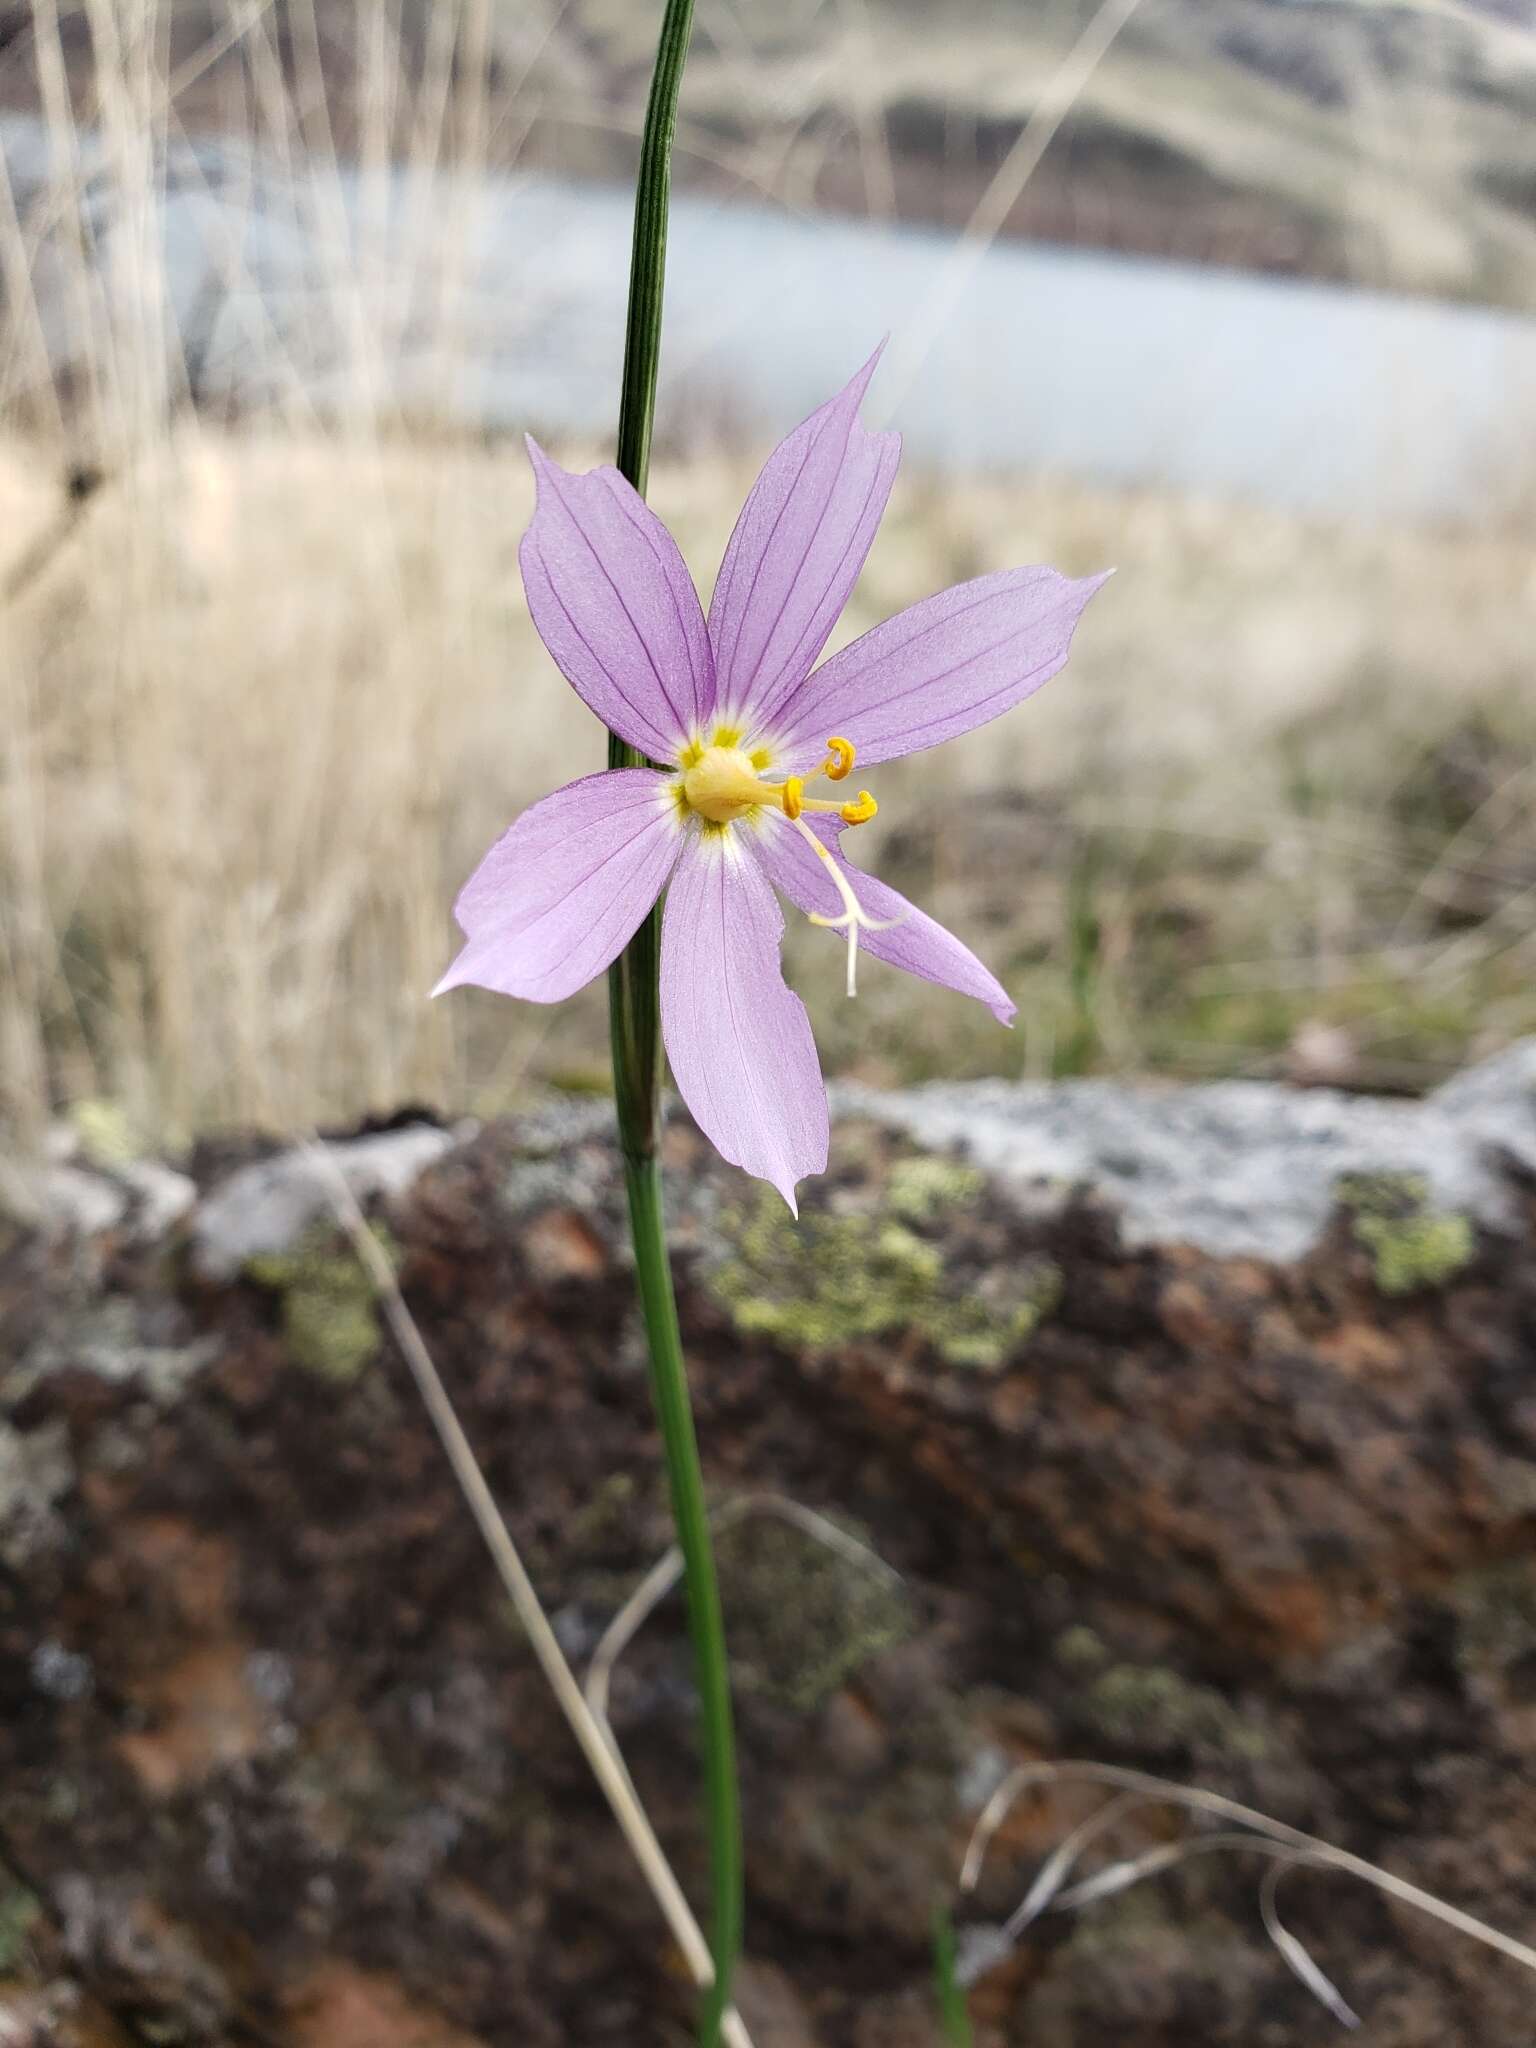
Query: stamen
{"points": [[793, 797], [840, 759], [861, 811]]}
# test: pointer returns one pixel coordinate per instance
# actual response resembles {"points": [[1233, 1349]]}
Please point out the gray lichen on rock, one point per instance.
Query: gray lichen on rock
{"points": [[108, 1338], [266, 1208], [1233, 1168], [91, 1180], [36, 1471]]}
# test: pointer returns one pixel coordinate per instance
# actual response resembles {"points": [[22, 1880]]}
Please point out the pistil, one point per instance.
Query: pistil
{"points": [[854, 919]]}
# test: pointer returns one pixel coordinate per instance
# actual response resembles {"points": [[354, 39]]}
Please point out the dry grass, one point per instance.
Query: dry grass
{"points": [[267, 693]]}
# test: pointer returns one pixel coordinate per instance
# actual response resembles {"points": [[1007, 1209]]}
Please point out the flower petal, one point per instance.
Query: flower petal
{"points": [[796, 554], [561, 894], [915, 941], [615, 606], [942, 666], [739, 1042]]}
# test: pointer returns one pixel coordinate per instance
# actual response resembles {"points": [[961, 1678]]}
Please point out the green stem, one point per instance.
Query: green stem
{"points": [[669, 1389], [634, 979], [648, 251], [952, 2006], [635, 1026]]}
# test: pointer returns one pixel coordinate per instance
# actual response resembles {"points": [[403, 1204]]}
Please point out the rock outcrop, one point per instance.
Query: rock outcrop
{"points": [[1200, 1430]]}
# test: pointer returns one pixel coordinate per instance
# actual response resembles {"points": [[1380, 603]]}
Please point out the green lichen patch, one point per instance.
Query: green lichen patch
{"points": [[1079, 1650], [874, 1271], [605, 1521], [105, 1132], [804, 1616], [329, 1317], [1495, 1612], [19, 1912], [921, 1189], [1411, 1245], [1149, 1707]]}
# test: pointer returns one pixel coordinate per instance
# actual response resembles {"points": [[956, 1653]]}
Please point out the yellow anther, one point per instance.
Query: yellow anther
{"points": [[839, 761], [860, 812], [794, 796]]}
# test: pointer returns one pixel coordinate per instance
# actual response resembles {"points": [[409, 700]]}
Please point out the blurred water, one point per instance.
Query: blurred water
{"points": [[499, 303]]}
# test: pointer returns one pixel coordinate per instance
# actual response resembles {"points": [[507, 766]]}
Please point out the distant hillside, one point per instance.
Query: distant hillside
{"points": [[1388, 141]]}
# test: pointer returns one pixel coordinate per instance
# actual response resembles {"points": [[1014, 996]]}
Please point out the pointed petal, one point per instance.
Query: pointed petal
{"points": [[796, 554], [616, 607], [561, 894], [942, 666], [739, 1042], [915, 941]]}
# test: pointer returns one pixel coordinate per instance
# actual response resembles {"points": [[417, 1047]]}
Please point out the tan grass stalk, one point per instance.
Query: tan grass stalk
{"points": [[1257, 1832]]}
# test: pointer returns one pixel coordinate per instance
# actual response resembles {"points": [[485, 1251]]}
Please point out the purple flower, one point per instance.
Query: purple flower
{"points": [[739, 723]]}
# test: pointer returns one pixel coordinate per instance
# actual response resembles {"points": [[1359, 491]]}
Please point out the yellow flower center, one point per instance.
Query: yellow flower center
{"points": [[723, 785], [722, 781]]}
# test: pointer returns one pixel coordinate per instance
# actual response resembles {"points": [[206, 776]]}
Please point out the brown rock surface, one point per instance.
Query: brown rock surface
{"points": [[276, 1767]]}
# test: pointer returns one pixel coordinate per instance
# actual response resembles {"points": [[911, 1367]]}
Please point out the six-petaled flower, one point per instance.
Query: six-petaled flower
{"points": [[740, 724]]}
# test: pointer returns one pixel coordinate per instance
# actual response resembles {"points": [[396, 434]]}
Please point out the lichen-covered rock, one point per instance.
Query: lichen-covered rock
{"points": [[1495, 1619], [1235, 1168], [35, 1474], [807, 1616], [328, 1302], [91, 1181], [19, 1913], [884, 1264], [116, 1337], [275, 1764]]}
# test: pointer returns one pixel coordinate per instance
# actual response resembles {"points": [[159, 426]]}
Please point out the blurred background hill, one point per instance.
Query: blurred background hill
{"points": [[1235, 296], [1379, 141]]}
